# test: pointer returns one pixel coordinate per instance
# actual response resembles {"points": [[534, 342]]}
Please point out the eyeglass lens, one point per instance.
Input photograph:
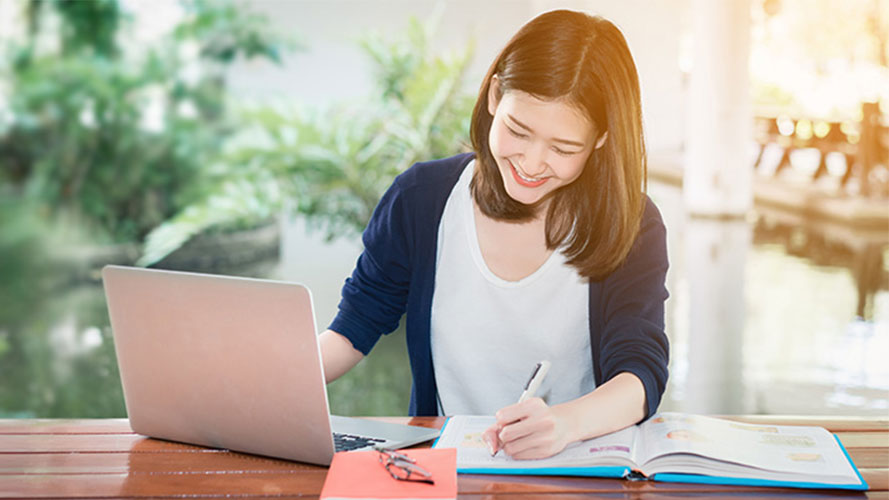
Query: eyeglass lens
{"points": [[404, 468]]}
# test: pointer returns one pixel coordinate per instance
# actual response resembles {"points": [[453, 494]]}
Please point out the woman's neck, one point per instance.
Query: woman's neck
{"points": [[512, 250]]}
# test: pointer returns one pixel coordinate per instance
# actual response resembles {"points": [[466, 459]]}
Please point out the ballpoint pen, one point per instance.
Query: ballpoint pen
{"points": [[530, 388]]}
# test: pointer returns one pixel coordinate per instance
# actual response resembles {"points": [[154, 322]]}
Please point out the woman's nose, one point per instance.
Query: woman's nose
{"points": [[535, 163]]}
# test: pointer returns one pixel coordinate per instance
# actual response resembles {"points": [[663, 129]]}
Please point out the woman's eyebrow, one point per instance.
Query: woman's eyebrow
{"points": [[529, 129]]}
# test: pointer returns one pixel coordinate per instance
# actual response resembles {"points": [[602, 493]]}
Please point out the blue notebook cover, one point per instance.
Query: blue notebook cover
{"points": [[623, 472]]}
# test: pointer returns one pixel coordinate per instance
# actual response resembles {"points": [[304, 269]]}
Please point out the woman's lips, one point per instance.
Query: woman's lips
{"points": [[523, 181]]}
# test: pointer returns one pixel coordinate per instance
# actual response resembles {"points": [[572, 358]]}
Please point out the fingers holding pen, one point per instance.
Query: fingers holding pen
{"points": [[512, 426], [526, 430], [492, 439], [508, 416], [518, 420]]}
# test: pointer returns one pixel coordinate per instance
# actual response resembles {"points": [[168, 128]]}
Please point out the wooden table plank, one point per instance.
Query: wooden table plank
{"points": [[808, 495], [551, 485], [869, 458], [116, 463], [110, 482], [88, 458], [153, 463], [876, 479], [864, 439], [70, 443], [105, 426], [65, 426], [143, 485], [833, 424], [122, 425], [310, 482]]}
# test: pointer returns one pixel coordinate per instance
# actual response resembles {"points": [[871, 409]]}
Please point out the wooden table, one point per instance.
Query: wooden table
{"points": [[105, 459]]}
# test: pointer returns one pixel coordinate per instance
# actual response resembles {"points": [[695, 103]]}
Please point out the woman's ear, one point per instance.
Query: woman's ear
{"points": [[601, 140], [493, 95]]}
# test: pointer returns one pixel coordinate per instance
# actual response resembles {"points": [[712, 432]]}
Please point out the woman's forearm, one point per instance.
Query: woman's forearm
{"points": [[338, 356], [616, 404]]}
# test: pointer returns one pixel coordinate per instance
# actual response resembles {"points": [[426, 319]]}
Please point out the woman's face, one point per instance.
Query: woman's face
{"points": [[539, 146]]}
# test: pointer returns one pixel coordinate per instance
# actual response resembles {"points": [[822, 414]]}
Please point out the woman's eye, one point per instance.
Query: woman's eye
{"points": [[563, 152], [517, 134]]}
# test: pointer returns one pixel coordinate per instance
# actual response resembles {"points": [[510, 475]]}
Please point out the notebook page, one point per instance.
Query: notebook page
{"points": [[464, 433], [801, 450]]}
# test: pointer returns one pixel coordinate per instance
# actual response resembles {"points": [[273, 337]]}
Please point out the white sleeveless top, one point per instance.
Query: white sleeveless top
{"points": [[488, 334]]}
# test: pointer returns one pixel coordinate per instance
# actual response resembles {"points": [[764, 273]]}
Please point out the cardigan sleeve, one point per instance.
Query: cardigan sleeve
{"points": [[375, 296], [632, 308]]}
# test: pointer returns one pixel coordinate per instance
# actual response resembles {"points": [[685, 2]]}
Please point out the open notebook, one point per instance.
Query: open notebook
{"points": [[674, 447]]}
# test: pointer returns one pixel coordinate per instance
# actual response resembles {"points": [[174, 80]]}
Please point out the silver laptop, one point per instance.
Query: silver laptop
{"points": [[230, 363]]}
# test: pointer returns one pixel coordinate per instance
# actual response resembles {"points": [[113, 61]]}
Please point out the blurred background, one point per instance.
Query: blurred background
{"points": [[255, 137]]}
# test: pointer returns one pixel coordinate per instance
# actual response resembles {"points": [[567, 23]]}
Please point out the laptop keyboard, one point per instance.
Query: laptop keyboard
{"points": [[347, 442]]}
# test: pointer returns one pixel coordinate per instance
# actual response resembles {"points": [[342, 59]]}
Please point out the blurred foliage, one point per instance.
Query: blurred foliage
{"points": [[51, 364], [120, 138], [24, 264], [227, 32], [61, 364], [102, 137], [89, 26], [333, 164], [379, 385]]}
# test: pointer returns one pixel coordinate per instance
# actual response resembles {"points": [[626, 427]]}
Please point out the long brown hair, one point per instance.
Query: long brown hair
{"points": [[571, 55]]}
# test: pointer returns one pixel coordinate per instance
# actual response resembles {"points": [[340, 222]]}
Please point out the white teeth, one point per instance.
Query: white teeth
{"points": [[529, 179]]}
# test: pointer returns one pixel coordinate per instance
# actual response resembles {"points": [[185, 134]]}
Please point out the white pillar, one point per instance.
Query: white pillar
{"points": [[718, 170], [715, 256]]}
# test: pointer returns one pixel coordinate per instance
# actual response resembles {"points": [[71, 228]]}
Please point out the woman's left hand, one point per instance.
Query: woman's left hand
{"points": [[527, 430]]}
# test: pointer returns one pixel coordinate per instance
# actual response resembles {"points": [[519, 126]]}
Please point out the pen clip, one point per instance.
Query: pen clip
{"points": [[534, 382], [534, 374]]}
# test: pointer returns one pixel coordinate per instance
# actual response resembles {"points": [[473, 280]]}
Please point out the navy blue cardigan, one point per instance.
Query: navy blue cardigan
{"points": [[396, 275]]}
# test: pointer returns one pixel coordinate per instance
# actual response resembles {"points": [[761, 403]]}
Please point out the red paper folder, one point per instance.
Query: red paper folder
{"points": [[360, 475]]}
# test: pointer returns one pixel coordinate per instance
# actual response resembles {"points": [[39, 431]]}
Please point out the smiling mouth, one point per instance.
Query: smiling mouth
{"points": [[525, 181]]}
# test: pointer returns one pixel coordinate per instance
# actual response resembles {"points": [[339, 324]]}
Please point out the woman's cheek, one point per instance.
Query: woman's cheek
{"points": [[574, 167], [502, 142]]}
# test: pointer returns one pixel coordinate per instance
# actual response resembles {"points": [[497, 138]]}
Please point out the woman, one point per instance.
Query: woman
{"points": [[539, 245]]}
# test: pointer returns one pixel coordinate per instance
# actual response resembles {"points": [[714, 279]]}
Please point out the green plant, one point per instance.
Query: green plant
{"points": [[334, 164], [26, 265], [120, 138]]}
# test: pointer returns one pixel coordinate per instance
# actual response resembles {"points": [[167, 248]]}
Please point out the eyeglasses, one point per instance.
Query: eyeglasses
{"points": [[403, 467]]}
